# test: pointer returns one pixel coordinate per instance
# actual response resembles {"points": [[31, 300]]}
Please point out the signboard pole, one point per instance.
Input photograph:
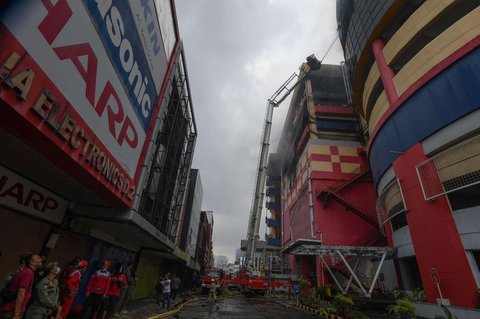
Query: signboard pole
{"points": [[436, 280]]}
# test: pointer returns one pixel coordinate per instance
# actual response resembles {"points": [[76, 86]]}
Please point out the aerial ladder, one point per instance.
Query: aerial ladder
{"points": [[258, 195]]}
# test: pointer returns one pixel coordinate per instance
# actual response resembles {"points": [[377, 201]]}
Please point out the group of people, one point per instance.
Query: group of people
{"points": [[39, 290], [167, 289]]}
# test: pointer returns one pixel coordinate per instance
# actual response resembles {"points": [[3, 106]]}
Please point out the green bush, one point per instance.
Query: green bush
{"points": [[403, 306], [322, 292], [342, 303]]}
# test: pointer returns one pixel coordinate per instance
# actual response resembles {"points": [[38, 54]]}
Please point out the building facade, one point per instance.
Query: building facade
{"points": [[97, 134], [204, 253], [190, 222], [414, 67], [328, 196]]}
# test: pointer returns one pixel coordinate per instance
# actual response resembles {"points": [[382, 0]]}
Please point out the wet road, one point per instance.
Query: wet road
{"points": [[230, 308]]}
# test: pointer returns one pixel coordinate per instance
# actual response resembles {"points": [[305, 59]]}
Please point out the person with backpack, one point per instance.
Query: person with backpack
{"points": [[97, 290], [45, 296], [72, 284], [20, 288]]}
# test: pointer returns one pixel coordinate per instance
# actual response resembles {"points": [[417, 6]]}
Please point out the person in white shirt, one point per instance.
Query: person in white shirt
{"points": [[167, 289]]}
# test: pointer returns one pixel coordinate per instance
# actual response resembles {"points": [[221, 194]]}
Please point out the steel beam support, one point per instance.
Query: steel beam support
{"points": [[331, 273], [377, 273], [351, 277], [353, 274]]}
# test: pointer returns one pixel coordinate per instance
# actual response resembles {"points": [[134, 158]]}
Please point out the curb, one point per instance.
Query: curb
{"points": [[172, 312], [320, 312]]}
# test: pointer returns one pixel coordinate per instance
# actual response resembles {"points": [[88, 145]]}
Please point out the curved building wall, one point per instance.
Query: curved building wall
{"points": [[357, 20], [415, 70]]}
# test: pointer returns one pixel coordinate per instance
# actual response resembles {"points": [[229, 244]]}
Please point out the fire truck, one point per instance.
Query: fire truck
{"points": [[217, 275]]}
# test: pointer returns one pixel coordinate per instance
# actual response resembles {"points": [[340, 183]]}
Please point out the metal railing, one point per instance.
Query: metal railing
{"points": [[451, 170]]}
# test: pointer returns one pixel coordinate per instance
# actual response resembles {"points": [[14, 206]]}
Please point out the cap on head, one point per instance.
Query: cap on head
{"points": [[106, 263], [82, 263]]}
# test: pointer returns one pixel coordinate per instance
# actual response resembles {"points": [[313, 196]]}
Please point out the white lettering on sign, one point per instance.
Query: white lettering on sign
{"points": [[19, 193], [61, 39]]}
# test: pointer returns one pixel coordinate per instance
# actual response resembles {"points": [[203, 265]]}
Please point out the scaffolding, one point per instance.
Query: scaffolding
{"points": [[164, 191]]}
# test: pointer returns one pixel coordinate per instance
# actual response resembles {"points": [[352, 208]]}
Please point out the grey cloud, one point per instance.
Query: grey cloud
{"points": [[238, 53]]}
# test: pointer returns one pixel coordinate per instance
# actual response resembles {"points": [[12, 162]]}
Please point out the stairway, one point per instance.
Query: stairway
{"points": [[335, 192], [354, 208]]}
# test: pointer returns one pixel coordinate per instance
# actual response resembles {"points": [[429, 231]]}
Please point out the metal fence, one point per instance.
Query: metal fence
{"points": [[453, 169]]}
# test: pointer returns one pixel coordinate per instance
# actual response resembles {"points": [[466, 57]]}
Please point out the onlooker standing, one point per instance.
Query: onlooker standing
{"points": [[21, 285], [175, 285], [123, 292], [71, 287], [8, 279], [97, 290], [159, 290], [118, 280], [166, 291], [132, 283], [71, 267], [45, 300]]}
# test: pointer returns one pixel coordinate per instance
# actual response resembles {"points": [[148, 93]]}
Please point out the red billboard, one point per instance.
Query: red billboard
{"points": [[88, 75]]}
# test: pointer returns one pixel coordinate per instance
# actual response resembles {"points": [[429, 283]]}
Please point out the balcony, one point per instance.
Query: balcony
{"points": [[272, 241], [272, 191], [271, 179], [272, 206], [272, 222]]}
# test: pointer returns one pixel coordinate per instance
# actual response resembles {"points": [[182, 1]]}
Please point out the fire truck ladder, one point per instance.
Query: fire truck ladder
{"points": [[256, 209]]}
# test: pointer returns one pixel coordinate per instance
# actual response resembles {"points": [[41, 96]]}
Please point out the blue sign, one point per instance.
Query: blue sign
{"points": [[296, 289], [116, 26]]}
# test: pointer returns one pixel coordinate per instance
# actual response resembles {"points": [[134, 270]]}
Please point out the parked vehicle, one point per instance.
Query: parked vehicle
{"points": [[217, 275]]}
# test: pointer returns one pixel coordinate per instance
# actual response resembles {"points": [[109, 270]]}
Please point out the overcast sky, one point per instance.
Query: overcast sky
{"points": [[238, 53]]}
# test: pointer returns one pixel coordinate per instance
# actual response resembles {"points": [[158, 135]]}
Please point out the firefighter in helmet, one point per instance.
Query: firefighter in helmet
{"points": [[212, 293]]}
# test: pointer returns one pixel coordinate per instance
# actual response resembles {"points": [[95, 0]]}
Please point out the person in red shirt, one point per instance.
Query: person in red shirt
{"points": [[97, 290], [21, 284], [71, 287], [118, 280], [72, 266]]}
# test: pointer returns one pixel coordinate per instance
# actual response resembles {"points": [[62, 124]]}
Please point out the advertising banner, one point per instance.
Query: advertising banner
{"points": [[78, 72]]}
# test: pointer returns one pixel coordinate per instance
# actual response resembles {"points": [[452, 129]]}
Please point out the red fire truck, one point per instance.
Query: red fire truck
{"points": [[253, 284], [217, 275]]}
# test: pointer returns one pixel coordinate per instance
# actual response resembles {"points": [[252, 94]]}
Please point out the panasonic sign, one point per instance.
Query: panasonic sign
{"points": [[123, 44]]}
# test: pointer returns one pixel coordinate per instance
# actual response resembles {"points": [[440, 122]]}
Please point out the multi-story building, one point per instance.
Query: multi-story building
{"points": [[221, 262], [190, 222], [204, 253], [328, 198], [97, 133], [414, 67]]}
